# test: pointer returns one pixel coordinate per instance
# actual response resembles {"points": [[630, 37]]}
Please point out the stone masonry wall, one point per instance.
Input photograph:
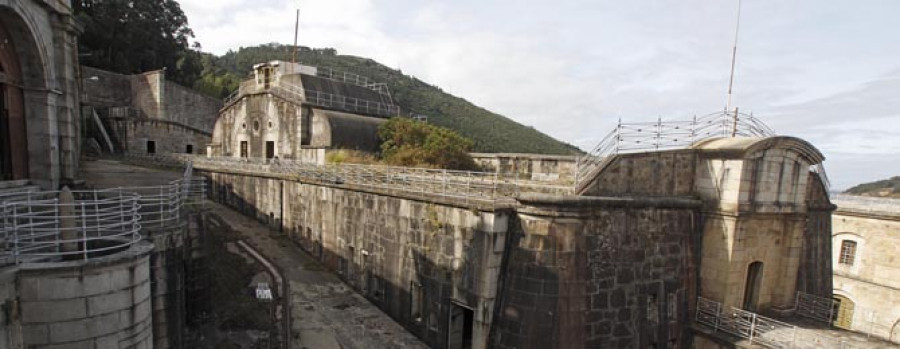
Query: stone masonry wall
{"points": [[545, 168], [103, 89], [104, 303], [666, 173], [872, 279], [168, 137], [558, 273], [191, 108], [605, 276], [414, 258]]}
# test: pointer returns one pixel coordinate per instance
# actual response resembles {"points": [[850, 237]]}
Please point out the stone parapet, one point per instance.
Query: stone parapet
{"points": [[103, 302]]}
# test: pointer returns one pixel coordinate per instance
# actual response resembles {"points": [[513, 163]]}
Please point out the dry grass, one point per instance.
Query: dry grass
{"points": [[347, 156]]}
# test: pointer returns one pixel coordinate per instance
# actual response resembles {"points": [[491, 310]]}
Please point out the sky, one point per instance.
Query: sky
{"points": [[826, 71]]}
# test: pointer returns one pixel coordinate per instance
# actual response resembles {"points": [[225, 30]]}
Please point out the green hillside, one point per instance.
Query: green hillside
{"points": [[489, 131], [884, 188]]}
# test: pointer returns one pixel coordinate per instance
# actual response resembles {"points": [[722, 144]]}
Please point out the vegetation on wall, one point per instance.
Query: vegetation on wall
{"points": [[406, 142], [886, 187]]}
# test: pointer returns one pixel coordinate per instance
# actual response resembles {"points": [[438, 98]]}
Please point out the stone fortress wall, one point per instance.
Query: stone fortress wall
{"points": [[537, 167], [144, 108], [425, 259], [40, 82], [289, 112], [865, 240], [620, 266]]}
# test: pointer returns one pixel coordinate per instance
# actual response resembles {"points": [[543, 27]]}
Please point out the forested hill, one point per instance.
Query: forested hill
{"points": [[884, 188], [489, 131]]}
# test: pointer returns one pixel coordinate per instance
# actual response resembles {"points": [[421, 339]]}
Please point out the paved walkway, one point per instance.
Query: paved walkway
{"points": [[325, 312]]}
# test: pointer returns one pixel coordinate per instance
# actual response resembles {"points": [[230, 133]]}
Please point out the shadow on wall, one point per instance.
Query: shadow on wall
{"points": [[614, 276], [438, 303]]}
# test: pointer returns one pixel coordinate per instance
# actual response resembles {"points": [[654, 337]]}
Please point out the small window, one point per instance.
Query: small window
{"points": [[243, 149], [151, 147], [848, 252], [189, 149], [270, 149]]}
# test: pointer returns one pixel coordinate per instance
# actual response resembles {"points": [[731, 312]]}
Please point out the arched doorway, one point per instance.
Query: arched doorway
{"points": [[842, 310], [752, 287], [13, 133]]}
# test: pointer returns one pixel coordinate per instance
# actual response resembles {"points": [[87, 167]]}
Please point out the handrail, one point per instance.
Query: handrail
{"points": [[353, 79], [44, 226], [640, 137], [322, 99], [466, 185], [762, 330]]}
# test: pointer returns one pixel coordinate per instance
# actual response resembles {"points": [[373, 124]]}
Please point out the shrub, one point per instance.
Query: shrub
{"points": [[406, 142]]}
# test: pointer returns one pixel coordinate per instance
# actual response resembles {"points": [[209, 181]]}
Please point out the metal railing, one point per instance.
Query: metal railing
{"points": [[354, 79], [822, 309], [44, 226], [815, 307], [323, 99], [762, 330], [655, 136], [467, 185], [48, 226], [351, 104]]}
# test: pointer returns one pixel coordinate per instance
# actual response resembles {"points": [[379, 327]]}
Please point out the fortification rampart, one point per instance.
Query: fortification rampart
{"points": [[496, 269]]}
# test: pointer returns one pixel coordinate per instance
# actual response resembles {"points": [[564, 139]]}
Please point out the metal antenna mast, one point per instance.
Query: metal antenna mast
{"points": [[733, 57], [296, 31]]}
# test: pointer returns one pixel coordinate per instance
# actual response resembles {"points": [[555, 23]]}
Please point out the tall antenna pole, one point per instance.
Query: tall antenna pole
{"points": [[296, 30], [737, 27]]}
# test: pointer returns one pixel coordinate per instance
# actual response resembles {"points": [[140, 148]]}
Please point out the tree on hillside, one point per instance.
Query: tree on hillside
{"points": [[406, 142], [131, 36]]}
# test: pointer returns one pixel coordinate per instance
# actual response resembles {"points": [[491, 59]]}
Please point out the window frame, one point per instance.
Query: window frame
{"points": [[847, 254]]}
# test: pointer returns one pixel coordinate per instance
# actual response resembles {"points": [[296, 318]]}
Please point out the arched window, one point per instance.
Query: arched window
{"points": [[848, 252], [842, 312]]}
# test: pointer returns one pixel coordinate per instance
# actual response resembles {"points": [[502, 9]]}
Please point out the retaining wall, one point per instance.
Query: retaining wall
{"points": [[546, 272]]}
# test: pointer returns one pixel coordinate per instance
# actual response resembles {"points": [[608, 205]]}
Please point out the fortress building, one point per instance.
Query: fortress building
{"points": [[713, 232], [293, 111]]}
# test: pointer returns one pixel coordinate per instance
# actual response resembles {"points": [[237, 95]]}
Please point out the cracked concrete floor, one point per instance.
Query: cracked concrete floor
{"points": [[325, 312]]}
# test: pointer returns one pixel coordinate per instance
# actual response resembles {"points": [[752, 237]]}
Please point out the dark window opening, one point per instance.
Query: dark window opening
{"points": [[151, 147], [189, 149], [243, 149], [460, 327], [270, 149]]}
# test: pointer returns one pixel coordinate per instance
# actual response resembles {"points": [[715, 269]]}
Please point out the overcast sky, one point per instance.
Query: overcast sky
{"points": [[824, 70]]}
